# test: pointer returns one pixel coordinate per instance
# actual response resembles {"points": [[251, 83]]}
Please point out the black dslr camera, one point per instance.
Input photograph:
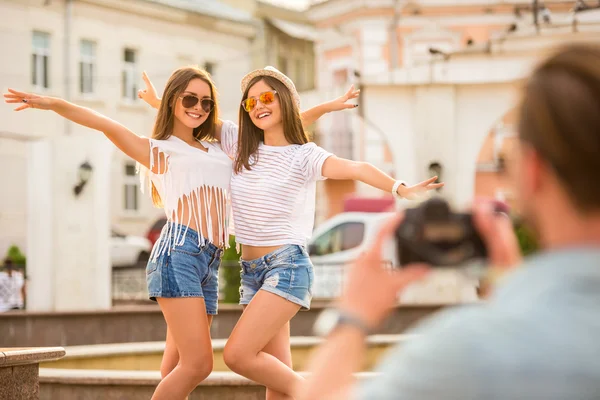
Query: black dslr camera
{"points": [[432, 234]]}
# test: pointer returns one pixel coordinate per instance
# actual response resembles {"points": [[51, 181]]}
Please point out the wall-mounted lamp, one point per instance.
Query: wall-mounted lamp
{"points": [[85, 172], [436, 169], [435, 51]]}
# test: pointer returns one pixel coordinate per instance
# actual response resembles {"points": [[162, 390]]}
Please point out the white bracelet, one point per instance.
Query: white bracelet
{"points": [[396, 186]]}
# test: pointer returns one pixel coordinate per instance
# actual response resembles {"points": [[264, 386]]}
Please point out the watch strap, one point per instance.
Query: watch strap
{"points": [[348, 319], [397, 184]]}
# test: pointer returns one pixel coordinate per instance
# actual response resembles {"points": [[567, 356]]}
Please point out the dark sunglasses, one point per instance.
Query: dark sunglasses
{"points": [[189, 101], [265, 98]]}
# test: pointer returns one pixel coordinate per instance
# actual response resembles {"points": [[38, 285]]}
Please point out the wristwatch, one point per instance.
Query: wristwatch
{"points": [[332, 318], [395, 188]]}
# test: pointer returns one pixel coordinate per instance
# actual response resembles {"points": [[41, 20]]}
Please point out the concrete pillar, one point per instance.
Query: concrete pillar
{"points": [[69, 236], [435, 134], [40, 227]]}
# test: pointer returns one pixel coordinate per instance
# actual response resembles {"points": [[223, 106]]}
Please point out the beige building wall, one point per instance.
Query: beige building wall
{"points": [[425, 107], [163, 38]]}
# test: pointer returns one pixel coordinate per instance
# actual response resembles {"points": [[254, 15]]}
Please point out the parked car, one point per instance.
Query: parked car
{"points": [[154, 231], [337, 242], [128, 250]]}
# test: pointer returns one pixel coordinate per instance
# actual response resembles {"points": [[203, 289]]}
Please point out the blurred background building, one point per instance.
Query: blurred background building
{"points": [[438, 81]]}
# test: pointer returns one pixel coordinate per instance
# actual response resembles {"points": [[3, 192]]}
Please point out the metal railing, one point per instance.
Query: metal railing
{"points": [[129, 283]]}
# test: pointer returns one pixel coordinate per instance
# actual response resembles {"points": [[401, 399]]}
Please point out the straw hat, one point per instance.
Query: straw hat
{"points": [[274, 73]]}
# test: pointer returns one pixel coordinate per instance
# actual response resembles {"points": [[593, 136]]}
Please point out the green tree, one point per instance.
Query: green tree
{"points": [[230, 272], [16, 256]]}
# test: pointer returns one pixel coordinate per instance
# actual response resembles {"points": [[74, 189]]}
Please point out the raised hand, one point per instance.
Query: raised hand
{"points": [[371, 288], [27, 100], [341, 103], [149, 94], [420, 189]]}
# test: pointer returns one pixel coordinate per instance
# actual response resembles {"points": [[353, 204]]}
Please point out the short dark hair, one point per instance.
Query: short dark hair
{"points": [[559, 117]]}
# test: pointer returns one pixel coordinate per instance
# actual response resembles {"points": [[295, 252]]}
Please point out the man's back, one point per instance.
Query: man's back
{"points": [[538, 337]]}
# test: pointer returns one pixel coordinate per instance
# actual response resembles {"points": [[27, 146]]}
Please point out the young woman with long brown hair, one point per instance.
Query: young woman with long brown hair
{"points": [[273, 201], [188, 175]]}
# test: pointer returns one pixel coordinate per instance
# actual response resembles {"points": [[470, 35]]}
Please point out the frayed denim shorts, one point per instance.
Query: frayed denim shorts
{"points": [[286, 272], [189, 269]]}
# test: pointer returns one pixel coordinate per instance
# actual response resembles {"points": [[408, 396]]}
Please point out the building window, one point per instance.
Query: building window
{"points": [[283, 65], [130, 87], [40, 60], [87, 66], [341, 135], [301, 74], [209, 67], [130, 188]]}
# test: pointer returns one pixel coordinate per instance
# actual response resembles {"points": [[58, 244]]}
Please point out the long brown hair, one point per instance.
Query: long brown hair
{"points": [[250, 136], [559, 118], [165, 120]]}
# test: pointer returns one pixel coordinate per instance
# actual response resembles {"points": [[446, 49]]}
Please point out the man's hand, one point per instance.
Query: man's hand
{"points": [[371, 289], [500, 240], [498, 235]]}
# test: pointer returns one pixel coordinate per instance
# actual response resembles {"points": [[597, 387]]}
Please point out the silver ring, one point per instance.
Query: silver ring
{"points": [[24, 100]]}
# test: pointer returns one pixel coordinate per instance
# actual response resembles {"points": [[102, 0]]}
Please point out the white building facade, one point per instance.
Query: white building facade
{"points": [[436, 77], [93, 52]]}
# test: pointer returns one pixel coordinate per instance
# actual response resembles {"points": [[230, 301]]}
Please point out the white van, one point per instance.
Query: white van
{"points": [[337, 242]]}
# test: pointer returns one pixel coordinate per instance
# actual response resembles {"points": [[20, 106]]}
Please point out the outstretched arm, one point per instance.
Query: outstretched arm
{"points": [[136, 147], [341, 168], [311, 115]]}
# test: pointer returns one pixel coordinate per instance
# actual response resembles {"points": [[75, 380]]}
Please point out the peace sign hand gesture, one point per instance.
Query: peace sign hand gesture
{"points": [[149, 94]]}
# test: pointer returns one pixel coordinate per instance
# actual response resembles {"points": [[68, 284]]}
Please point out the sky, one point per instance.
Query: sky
{"points": [[295, 4]]}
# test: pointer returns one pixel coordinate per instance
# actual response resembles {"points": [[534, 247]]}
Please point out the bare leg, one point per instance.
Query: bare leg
{"points": [[264, 317], [279, 347], [188, 325], [171, 356]]}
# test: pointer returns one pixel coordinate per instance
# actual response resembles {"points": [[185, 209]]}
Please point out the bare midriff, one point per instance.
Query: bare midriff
{"points": [[254, 252]]}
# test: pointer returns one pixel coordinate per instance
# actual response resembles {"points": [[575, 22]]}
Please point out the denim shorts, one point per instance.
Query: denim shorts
{"points": [[190, 269], [286, 272]]}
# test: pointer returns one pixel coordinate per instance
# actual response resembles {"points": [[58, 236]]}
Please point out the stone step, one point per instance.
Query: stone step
{"points": [[130, 324], [146, 356], [68, 384]]}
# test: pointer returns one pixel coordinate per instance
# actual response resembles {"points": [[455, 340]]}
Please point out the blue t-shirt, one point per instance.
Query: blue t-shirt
{"points": [[538, 337]]}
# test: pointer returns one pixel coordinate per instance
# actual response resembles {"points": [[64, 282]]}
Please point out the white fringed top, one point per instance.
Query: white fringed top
{"points": [[193, 186]]}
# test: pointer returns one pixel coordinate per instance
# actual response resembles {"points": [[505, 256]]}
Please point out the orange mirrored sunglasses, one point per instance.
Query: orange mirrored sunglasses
{"points": [[265, 98]]}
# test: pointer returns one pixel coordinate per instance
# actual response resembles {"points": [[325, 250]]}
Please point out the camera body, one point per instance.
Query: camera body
{"points": [[433, 234]]}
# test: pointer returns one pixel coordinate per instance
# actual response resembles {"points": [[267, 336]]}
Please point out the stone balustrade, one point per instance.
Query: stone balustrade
{"points": [[19, 371]]}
